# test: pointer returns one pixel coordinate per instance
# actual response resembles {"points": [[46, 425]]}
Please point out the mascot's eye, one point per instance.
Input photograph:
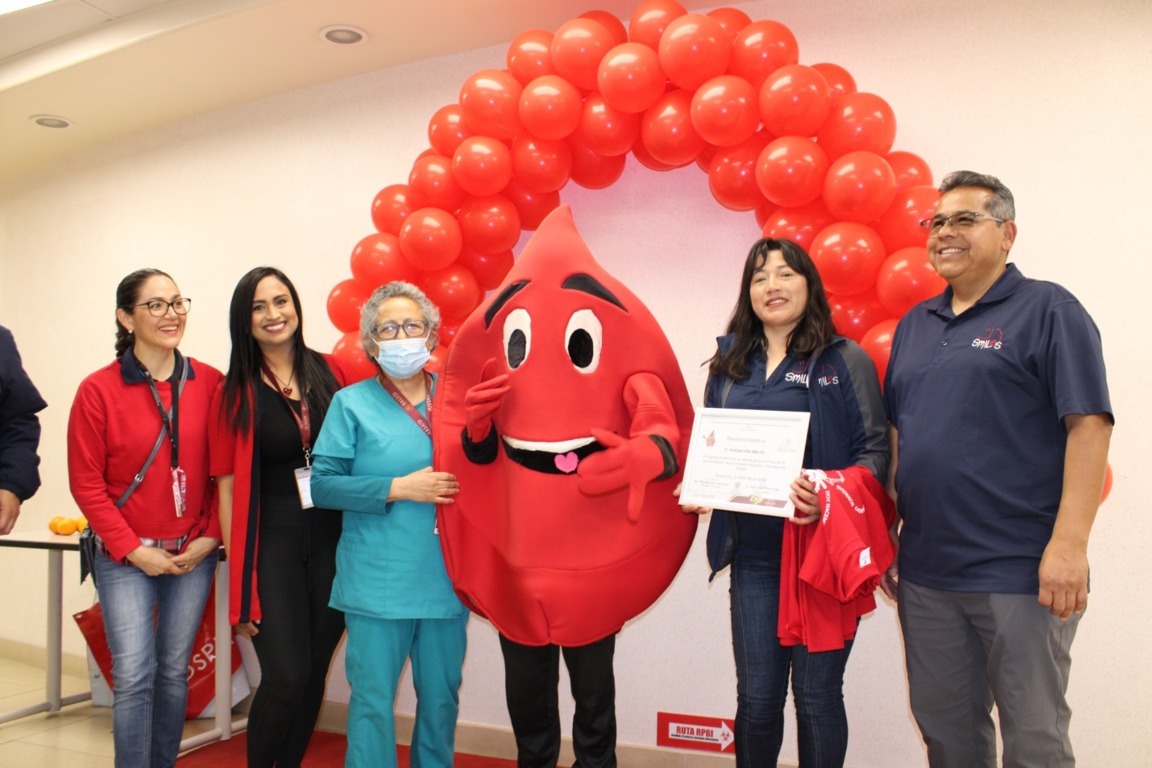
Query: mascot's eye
{"points": [[584, 338], [517, 337]]}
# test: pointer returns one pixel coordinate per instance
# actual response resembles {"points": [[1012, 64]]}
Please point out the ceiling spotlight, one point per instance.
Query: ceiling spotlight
{"points": [[342, 34], [51, 121]]}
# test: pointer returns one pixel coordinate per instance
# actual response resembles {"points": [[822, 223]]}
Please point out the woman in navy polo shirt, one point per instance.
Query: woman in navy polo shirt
{"points": [[780, 353]]}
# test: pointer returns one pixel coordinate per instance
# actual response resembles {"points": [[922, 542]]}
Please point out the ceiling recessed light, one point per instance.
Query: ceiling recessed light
{"points": [[342, 34], [51, 121]]}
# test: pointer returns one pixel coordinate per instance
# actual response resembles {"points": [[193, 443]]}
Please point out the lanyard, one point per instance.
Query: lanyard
{"points": [[404, 403], [172, 427], [171, 419], [303, 422]]}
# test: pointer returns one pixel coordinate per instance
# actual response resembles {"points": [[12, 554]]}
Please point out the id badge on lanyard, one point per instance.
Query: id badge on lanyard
{"points": [[179, 490]]}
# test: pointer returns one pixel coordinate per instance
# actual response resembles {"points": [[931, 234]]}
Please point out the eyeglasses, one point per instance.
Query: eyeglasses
{"points": [[961, 222], [389, 331], [159, 307]]}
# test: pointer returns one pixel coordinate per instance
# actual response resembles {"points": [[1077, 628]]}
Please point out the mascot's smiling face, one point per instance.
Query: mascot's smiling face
{"points": [[564, 342], [545, 562]]}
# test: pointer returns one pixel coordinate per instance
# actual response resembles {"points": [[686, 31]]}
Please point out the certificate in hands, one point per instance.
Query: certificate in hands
{"points": [[744, 461]]}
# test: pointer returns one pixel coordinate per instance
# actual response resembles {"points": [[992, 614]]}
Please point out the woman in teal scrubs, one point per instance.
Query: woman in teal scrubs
{"points": [[373, 461]]}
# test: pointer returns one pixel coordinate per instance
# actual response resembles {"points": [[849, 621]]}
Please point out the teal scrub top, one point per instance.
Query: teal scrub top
{"points": [[389, 564]]}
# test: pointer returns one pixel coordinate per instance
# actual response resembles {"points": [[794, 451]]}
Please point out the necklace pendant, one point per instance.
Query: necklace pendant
{"points": [[286, 390]]}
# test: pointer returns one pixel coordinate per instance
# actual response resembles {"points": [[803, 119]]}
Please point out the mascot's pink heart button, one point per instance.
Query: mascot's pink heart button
{"points": [[567, 463]]}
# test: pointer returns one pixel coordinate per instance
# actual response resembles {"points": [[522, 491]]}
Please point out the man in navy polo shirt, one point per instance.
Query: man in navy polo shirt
{"points": [[19, 433], [1001, 420]]}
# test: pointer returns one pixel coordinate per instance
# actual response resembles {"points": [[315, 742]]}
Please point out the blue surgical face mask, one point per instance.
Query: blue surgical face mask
{"points": [[402, 358]]}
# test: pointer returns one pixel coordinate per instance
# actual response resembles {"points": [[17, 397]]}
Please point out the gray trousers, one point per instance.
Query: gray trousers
{"points": [[966, 651]]}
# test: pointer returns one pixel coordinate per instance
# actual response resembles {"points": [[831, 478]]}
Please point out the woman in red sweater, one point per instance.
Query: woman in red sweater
{"points": [[281, 552], [138, 469]]}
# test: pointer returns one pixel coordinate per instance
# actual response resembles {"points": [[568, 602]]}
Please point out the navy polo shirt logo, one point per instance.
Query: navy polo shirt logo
{"points": [[993, 338], [798, 375], [826, 376]]}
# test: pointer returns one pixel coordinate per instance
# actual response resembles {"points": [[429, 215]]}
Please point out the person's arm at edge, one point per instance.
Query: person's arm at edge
{"points": [[1064, 565]]}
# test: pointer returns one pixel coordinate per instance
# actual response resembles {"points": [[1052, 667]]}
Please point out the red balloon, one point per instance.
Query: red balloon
{"points": [[614, 26], [731, 20], [630, 78], [763, 211], [795, 101], [859, 187], [645, 158], [848, 255], [377, 260], [489, 269], [532, 206], [550, 107], [605, 129], [490, 103], [436, 360], [899, 226], [877, 342], [791, 170], [854, 315], [391, 206], [530, 56], [800, 225], [489, 224], [430, 239], [760, 49], [433, 184], [910, 170], [577, 48], [650, 19], [858, 122], [482, 165], [445, 334], [344, 303], [667, 131], [541, 165], [907, 278], [592, 170], [732, 174], [446, 130], [839, 79], [724, 111], [693, 49], [454, 291], [349, 351]]}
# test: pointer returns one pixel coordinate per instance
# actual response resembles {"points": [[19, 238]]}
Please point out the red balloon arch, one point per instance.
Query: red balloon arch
{"points": [[796, 144]]}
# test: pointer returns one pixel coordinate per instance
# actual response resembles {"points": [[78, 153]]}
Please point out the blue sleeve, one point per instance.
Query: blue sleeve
{"points": [[870, 439], [1073, 369], [336, 483], [19, 424]]}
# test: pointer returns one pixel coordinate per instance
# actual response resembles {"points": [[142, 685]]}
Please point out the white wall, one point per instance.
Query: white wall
{"points": [[1053, 97]]}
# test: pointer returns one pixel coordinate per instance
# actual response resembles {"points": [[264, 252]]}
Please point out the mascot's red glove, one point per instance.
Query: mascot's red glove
{"points": [[646, 455], [483, 399]]}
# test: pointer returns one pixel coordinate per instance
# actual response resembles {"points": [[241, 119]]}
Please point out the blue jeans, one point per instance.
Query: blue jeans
{"points": [[763, 666], [151, 623]]}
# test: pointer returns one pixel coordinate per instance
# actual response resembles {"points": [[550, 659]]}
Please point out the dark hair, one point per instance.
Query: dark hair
{"points": [[127, 297], [315, 378], [813, 331], [1001, 205]]}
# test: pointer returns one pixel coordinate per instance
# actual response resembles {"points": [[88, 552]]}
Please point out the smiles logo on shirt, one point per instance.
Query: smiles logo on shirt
{"points": [[993, 338], [827, 377], [799, 374]]}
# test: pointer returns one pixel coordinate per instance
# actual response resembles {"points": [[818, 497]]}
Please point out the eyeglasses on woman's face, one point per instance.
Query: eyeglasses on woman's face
{"points": [[159, 307], [389, 331]]}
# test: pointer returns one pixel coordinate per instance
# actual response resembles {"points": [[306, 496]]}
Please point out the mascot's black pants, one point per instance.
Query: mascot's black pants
{"points": [[531, 674]]}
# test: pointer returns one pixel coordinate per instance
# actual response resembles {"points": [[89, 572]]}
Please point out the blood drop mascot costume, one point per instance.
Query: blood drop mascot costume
{"points": [[561, 412]]}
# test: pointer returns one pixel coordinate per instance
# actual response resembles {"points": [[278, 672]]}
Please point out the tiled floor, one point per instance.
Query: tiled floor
{"points": [[78, 736]]}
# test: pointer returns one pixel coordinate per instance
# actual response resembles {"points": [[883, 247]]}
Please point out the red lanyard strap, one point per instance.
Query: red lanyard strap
{"points": [[303, 421], [404, 403]]}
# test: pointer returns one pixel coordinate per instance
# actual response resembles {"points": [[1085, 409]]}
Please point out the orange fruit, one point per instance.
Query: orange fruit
{"points": [[81, 524], [66, 526], [54, 523]]}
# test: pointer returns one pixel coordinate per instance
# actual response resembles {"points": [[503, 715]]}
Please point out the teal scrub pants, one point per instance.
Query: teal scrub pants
{"points": [[375, 655]]}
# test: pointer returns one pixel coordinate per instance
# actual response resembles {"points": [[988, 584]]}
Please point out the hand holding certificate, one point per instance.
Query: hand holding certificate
{"points": [[744, 461]]}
